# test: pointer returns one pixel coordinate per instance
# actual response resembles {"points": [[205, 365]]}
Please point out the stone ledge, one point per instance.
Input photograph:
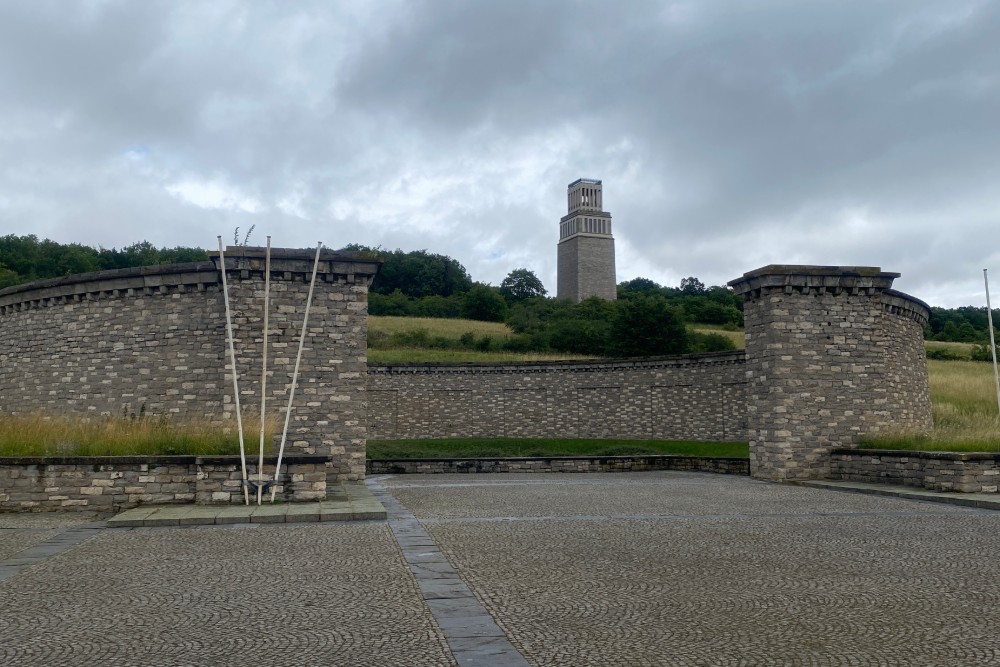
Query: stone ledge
{"points": [[166, 278], [557, 464], [905, 453], [962, 472]]}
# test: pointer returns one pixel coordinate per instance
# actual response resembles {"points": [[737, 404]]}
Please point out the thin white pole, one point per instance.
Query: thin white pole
{"points": [[993, 344], [236, 384], [295, 373], [263, 369]]}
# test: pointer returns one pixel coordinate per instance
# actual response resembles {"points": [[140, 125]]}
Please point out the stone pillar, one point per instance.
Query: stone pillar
{"points": [[833, 354], [329, 417]]}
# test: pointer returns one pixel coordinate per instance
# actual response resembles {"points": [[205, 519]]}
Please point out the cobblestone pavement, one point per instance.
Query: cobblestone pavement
{"points": [[275, 595], [590, 569], [20, 531], [687, 569]]}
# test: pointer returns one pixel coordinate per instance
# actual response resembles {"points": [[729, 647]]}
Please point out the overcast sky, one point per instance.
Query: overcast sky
{"points": [[728, 135]]}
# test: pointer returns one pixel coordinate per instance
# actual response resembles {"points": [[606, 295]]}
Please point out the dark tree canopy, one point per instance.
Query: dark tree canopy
{"points": [[521, 284], [484, 303], [26, 258], [646, 326], [417, 273]]}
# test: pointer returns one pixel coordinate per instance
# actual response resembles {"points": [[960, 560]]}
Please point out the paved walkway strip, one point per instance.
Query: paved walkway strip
{"points": [[53, 546], [472, 635]]}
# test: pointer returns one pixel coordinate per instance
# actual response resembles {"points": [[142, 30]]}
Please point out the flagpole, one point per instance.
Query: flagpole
{"points": [[236, 384], [295, 373], [263, 370], [993, 345]]}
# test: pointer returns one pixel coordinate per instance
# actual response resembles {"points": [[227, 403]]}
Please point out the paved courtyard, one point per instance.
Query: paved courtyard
{"points": [[594, 569]]}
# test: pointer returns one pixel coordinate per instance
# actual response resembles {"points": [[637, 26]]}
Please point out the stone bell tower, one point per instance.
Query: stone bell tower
{"points": [[586, 249]]}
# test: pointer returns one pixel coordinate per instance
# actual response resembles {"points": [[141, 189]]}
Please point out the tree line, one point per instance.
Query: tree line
{"points": [[425, 284], [26, 258]]}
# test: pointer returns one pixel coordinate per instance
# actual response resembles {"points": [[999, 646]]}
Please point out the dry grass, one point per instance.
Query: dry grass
{"points": [[44, 435], [963, 398], [436, 326]]}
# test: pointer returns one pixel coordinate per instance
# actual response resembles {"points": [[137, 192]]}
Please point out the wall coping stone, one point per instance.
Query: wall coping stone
{"points": [[150, 279], [563, 464], [853, 279], [903, 453], [804, 275], [738, 356]]}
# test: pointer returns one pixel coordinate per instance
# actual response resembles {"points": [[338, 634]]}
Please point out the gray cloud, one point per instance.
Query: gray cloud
{"points": [[728, 134]]}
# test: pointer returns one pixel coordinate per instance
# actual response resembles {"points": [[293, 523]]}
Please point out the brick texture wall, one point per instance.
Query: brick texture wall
{"points": [[833, 354], [153, 340], [114, 483], [684, 398], [586, 267], [938, 471]]}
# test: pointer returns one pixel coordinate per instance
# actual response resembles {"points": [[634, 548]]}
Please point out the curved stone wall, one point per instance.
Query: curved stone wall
{"points": [[832, 354], [152, 340]]}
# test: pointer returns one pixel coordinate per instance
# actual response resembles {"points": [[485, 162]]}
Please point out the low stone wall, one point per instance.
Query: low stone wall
{"points": [[726, 466], [967, 472], [693, 397], [114, 483]]}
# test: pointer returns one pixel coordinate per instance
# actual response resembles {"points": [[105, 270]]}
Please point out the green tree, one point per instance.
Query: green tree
{"points": [[640, 286], [692, 285], [648, 326], [484, 303], [521, 284], [417, 273]]}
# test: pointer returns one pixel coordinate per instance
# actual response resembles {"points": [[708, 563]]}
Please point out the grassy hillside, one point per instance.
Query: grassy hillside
{"points": [[436, 326], [399, 340]]}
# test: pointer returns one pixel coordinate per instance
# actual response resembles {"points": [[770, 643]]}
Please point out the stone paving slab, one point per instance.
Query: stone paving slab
{"points": [[352, 502], [989, 501]]}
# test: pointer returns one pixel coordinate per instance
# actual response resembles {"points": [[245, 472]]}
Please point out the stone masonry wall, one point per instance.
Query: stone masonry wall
{"points": [[569, 464], [586, 267], [115, 483], [938, 471], [699, 397], [152, 340], [833, 354]]}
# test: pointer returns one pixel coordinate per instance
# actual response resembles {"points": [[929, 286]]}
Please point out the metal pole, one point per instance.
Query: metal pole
{"points": [[236, 384], [993, 345], [263, 369], [295, 373]]}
